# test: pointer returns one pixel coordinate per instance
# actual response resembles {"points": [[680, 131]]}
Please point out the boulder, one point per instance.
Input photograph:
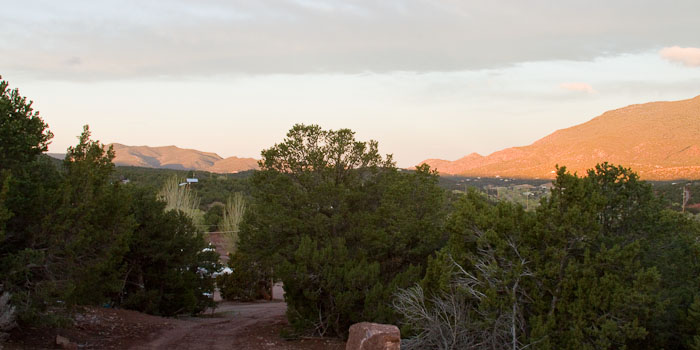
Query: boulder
{"points": [[373, 336], [64, 343]]}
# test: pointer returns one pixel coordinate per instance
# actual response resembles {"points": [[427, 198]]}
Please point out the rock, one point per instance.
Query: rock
{"points": [[64, 343], [373, 336]]}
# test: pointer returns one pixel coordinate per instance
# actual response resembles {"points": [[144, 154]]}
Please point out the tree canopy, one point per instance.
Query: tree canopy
{"points": [[340, 225], [23, 134], [69, 235], [598, 265]]}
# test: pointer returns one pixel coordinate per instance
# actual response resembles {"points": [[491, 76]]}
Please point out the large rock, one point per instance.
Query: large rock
{"points": [[64, 343], [373, 336]]}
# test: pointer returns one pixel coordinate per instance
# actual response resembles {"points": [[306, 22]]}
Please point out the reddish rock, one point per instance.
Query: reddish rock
{"points": [[64, 343], [373, 336]]}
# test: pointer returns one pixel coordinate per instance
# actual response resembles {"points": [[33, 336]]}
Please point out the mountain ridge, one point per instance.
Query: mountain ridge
{"points": [[658, 140], [173, 157]]}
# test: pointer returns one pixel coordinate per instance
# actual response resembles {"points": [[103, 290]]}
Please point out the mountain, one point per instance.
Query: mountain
{"points": [[173, 157], [234, 165], [658, 140]]}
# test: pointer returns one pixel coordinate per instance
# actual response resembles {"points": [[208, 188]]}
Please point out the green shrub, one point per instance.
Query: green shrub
{"points": [[248, 280], [169, 265], [340, 226]]}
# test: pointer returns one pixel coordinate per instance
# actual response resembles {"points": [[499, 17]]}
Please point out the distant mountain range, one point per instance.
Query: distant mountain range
{"points": [[658, 140], [172, 157]]}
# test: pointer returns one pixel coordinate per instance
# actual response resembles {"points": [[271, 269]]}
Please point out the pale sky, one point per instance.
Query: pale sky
{"points": [[427, 79]]}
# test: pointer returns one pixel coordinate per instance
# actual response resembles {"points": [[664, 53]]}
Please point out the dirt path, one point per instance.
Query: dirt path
{"points": [[221, 331], [240, 326]]}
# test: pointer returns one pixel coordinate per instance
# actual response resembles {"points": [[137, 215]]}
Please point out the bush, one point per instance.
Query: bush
{"points": [[213, 216], [598, 265], [66, 237], [181, 198], [247, 282], [232, 216], [7, 316], [169, 265]]}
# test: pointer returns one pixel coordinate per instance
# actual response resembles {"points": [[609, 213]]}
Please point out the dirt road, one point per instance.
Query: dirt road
{"points": [[242, 326], [221, 330], [239, 326]]}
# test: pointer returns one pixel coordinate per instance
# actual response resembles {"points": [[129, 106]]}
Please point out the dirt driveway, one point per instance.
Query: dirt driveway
{"points": [[221, 330], [244, 326], [235, 326]]}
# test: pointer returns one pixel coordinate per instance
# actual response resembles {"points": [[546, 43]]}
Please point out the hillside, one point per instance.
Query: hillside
{"points": [[172, 157], [233, 165], [658, 140]]}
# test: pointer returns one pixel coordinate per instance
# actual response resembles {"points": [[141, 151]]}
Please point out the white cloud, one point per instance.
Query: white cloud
{"points": [[688, 56], [579, 87], [117, 39]]}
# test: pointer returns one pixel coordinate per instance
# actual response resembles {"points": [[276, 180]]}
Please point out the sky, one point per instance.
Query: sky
{"points": [[426, 79]]}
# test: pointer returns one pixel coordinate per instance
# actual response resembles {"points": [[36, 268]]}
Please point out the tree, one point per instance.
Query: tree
{"points": [[23, 134], [5, 213], [168, 267], [70, 236], [599, 265], [475, 292], [213, 216], [340, 226], [68, 233], [230, 223], [181, 198], [7, 315]]}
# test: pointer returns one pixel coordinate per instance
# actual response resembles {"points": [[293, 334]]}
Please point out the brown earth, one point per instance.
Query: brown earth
{"points": [[658, 140], [253, 326]]}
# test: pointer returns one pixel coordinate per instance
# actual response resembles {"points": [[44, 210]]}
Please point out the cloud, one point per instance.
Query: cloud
{"points": [[579, 87], [688, 56], [73, 61], [118, 39]]}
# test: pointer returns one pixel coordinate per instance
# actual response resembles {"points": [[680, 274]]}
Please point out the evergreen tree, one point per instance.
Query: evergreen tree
{"points": [[68, 231], [23, 134], [69, 235], [168, 267], [599, 265], [340, 226]]}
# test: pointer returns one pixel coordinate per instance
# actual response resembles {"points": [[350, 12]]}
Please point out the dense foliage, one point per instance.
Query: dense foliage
{"points": [[678, 192], [248, 281], [168, 263], [7, 315], [23, 134], [340, 226], [70, 236], [211, 189], [599, 265]]}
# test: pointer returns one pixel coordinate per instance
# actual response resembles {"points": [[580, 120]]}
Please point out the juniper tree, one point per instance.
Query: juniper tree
{"points": [[599, 265], [340, 226]]}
